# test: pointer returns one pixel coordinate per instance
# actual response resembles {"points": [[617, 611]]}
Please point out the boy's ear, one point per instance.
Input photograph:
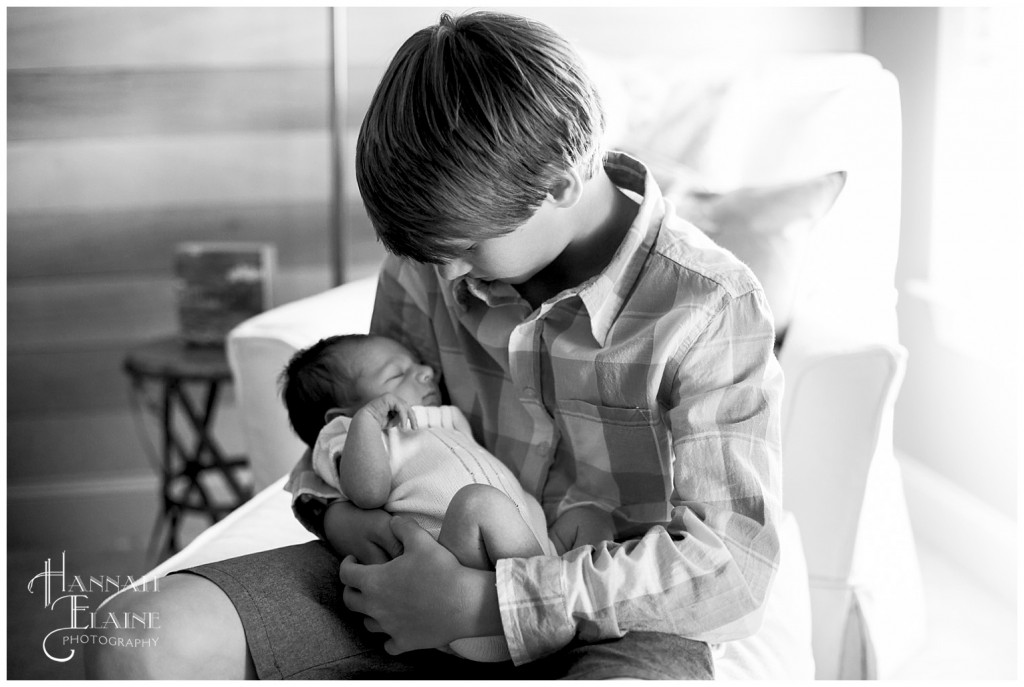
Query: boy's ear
{"points": [[336, 412], [567, 189]]}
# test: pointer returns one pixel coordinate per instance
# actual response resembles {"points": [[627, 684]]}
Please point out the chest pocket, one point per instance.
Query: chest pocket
{"points": [[622, 459]]}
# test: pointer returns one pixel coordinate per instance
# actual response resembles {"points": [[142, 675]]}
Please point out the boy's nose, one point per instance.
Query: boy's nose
{"points": [[454, 269]]}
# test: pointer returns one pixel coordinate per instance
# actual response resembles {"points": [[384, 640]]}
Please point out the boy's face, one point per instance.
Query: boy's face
{"points": [[385, 366], [514, 257]]}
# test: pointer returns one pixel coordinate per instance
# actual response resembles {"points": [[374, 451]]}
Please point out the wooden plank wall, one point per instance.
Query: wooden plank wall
{"points": [[132, 129]]}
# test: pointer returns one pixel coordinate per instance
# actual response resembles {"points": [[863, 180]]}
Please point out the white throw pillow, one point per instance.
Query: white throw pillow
{"points": [[767, 227]]}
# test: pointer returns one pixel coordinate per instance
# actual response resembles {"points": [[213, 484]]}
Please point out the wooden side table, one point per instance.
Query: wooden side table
{"points": [[171, 367]]}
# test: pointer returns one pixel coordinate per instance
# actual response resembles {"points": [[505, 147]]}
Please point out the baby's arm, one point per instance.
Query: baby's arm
{"points": [[483, 525], [581, 526], [364, 469]]}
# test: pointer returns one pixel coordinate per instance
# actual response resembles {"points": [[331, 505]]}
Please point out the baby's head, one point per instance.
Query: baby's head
{"points": [[340, 374]]}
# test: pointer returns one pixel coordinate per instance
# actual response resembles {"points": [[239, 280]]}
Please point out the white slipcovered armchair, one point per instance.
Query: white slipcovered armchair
{"points": [[848, 600]]}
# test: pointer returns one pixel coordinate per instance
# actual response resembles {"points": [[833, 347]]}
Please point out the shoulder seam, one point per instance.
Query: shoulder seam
{"points": [[751, 285]]}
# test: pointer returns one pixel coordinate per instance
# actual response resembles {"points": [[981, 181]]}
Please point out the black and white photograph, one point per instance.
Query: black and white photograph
{"points": [[668, 342]]}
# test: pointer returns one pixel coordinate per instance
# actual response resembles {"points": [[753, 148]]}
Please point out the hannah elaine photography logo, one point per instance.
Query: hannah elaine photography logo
{"points": [[67, 597]]}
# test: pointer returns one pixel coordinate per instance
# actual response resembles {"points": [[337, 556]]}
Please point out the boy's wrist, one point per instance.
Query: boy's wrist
{"points": [[359, 532]]}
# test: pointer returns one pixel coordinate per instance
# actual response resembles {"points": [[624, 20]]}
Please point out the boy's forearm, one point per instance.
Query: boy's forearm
{"points": [[334, 530], [364, 470], [365, 534], [703, 591]]}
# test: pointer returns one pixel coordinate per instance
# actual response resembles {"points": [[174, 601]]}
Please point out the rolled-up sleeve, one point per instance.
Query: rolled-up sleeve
{"points": [[310, 495]]}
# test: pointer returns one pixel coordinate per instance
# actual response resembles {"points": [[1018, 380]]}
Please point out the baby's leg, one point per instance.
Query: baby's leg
{"points": [[483, 525]]}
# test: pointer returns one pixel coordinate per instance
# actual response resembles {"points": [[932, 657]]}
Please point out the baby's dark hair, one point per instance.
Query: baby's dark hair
{"points": [[317, 379], [468, 130]]}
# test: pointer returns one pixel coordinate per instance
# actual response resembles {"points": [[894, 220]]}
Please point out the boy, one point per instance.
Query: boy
{"points": [[351, 399], [608, 352]]}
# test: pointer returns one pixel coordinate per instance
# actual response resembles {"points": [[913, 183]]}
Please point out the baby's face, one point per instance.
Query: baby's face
{"points": [[388, 367]]}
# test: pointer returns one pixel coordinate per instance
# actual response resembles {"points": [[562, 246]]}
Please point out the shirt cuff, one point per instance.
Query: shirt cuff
{"points": [[531, 598]]}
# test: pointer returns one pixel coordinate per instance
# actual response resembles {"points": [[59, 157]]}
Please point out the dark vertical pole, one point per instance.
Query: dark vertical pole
{"points": [[337, 96]]}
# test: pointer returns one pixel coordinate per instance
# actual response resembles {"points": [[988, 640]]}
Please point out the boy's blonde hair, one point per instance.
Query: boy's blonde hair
{"points": [[468, 130]]}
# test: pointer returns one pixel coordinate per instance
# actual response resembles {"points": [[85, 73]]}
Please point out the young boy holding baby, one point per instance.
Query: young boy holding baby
{"points": [[606, 351]]}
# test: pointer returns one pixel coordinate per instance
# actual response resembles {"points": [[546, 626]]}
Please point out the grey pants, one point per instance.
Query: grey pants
{"points": [[297, 627]]}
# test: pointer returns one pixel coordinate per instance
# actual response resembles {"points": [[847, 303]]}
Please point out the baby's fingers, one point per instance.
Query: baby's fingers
{"points": [[400, 413], [410, 417]]}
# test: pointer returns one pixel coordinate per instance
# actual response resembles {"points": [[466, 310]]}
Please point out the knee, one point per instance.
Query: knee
{"points": [[198, 634], [126, 653], [475, 501]]}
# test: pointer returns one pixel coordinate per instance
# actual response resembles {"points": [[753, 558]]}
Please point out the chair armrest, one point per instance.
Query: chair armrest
{"points": [[836, 418], [259, 348], [843, 484]]}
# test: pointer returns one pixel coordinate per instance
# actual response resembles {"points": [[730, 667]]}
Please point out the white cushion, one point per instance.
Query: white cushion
{"points": [[782, 649]]}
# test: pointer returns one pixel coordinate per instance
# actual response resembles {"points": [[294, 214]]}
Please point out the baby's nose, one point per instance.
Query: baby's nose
{"points": [[425, 373]]}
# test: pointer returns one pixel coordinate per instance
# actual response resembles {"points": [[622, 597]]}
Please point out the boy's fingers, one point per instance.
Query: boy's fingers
{"points": [[408, 530], [388, 545], [351, 573], [375, 554], [353, 599]]}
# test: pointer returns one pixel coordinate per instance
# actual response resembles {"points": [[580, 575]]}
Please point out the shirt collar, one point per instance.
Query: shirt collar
{"points": [[603, 294]]}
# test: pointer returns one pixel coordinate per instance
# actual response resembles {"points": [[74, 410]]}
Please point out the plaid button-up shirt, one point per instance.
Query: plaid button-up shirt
{"points": [[650, 391]]}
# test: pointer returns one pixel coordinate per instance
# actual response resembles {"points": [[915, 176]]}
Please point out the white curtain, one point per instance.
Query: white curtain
{"points": [[977, 264]]}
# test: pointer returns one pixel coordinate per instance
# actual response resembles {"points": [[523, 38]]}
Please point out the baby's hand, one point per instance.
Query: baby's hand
{"points": [[389, 410]]}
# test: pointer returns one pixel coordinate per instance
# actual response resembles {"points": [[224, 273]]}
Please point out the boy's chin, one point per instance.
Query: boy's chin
{"points": [[511, 280]]}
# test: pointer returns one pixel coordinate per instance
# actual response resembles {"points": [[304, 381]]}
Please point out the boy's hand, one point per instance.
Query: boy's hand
{"points": [[365, 534], [388, 410], [423, 599]]}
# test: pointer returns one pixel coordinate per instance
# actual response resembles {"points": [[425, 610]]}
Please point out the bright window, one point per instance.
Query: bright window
{"points": [[976, 258]]}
